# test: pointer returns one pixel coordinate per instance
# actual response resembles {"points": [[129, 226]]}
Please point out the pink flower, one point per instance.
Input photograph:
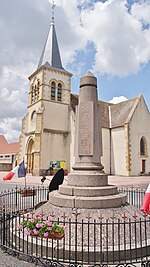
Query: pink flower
{"points": [[32, 220], [38, 215], [49, 223], [49, 228], [38, 225], [20, 227], [46, 234], [27, 231], [28, 215], [35, 231]]}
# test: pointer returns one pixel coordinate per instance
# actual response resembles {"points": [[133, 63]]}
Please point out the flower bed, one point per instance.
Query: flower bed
{"points": [[27, 192], [39, 227]]}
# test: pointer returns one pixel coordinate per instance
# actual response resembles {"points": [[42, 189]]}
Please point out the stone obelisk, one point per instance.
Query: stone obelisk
{"points": [[87, 183], [87, 170]]}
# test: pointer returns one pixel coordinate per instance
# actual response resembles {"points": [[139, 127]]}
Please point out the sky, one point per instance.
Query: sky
{"points": [[110, 38]]}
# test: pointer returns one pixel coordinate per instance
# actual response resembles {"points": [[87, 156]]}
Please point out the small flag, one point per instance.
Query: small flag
{"points": [[17, 172], [146, 201]]}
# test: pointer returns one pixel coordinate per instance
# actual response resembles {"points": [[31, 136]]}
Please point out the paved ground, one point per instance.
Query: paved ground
{"points": [[10, 261], [120, 181]]}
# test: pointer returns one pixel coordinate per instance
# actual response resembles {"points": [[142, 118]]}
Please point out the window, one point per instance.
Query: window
{"points": [[33, 117], [53, 89], [32, 94], [38, 83], [143, 147], [38, 89], [35, 92], [59, 92]]}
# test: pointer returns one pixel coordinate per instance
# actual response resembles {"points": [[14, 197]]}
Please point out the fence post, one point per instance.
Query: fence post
{"points": [[16, 196], [4, 226], [33, 196]]}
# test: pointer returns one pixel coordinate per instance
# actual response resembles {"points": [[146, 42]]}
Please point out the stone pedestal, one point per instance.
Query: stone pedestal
{"points": [[87, 185]]}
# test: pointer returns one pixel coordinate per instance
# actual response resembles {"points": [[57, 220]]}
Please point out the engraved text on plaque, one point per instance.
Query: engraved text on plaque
{"points": [[86, 114]]}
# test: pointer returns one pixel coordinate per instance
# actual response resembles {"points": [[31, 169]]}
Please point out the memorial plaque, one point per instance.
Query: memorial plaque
{"points": [[86, 128]]}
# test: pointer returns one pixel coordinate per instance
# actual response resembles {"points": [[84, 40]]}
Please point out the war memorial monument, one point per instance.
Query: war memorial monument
{"points": [[88, 198]]}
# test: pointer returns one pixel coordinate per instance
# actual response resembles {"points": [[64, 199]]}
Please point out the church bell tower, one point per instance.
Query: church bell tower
{"points": [[45, 128]]}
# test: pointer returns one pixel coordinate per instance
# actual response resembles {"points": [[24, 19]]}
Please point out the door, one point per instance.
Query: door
{"points": [[143, 165]]}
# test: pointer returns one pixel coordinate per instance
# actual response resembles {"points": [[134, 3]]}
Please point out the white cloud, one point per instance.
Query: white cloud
{"points": [[11, 127], [13, 99], [141, 11], [121, 44], [118, 99], [121, 39], [70, 32]]}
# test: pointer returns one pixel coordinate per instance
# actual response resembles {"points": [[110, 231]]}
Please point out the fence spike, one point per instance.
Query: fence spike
{"points": [[135, 216]]}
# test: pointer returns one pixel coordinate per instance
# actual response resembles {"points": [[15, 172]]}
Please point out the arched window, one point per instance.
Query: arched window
{"points": [[35, 92], [59, 92], [38, 85], [33, 117], [143, 147], [32, 94], [53, 90]]}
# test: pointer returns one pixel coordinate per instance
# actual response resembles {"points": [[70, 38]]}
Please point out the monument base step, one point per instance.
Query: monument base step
{"points": [[88, 191], [87, 179], [98, 202]]}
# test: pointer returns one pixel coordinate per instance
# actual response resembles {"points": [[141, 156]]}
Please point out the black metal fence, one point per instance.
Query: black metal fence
{"points": [[14, 200], [20, 199], [91, 242]]}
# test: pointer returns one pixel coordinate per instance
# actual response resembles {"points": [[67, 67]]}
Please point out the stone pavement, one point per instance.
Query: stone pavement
{"points": [[10, 261], [120, 181]]}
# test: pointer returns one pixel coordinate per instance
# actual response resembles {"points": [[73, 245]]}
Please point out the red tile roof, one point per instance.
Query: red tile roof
{"points": [[3, 140], [6, 148]]}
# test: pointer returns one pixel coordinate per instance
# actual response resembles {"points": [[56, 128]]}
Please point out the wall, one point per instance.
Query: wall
{"points": [[118, 151], [55, 116], [105, 159], [5, 167], [139, 126], [55, 141], [54, 147]]}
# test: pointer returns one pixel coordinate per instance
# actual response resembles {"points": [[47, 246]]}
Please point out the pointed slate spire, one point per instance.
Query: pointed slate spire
{"points": [[50, 55]]}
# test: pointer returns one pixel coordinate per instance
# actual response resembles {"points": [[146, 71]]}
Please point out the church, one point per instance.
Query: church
{"points": [[48, 128]]}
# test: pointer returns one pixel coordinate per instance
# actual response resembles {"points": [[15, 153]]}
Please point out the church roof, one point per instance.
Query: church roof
{"points": [[121, 112], [50, 56], [112, 115]]}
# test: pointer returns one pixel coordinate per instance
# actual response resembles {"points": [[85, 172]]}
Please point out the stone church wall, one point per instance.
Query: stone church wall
{"points": [[55, 147], [139, 127], [105, 159], [118, 151], [56, 116]]}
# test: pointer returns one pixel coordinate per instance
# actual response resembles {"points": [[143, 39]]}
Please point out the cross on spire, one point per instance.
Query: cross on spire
{"points": [[50, 56], [53, 9]]}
